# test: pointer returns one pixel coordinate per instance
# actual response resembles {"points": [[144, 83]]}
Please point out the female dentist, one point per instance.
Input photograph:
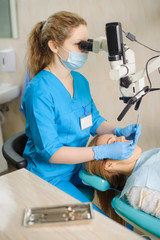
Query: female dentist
{"points": [[59, 110]]}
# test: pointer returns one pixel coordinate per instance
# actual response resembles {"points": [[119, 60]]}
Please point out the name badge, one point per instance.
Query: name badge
{"points": [[86, 121]]}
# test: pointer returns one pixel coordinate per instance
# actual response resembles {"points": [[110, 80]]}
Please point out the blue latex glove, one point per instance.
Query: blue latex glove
{"points": [[118, 150], [131, 132]]}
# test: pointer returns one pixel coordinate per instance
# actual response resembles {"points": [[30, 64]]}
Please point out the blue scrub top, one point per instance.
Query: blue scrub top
{"points": [[53, 121]]}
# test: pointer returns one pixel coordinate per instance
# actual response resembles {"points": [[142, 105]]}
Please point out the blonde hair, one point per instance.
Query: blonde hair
{"points": [[57, 28], [115, 179]]}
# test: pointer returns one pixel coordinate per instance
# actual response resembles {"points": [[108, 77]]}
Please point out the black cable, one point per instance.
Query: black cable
{"points": [[147, 70], [147, 47], [146, 89], [154, 89], [131, 37]]}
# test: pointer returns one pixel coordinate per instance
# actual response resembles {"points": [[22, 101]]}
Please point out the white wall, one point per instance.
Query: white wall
{"points": [[141, 17]]}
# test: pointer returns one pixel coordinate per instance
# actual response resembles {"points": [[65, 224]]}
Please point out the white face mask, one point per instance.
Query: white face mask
{"points": [[75, 60]]}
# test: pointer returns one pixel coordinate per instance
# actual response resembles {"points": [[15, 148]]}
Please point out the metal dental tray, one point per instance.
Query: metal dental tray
{"points": [[62, 213]]}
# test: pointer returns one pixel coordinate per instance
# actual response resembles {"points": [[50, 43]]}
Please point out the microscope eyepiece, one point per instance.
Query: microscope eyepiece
{"points": [[86, 45]]}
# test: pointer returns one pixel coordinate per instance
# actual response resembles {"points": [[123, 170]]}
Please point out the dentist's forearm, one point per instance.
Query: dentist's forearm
{"points": [[72, 155]]}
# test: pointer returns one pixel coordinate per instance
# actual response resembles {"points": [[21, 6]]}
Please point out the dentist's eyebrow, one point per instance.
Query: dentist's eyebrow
{"points": [[80, 39]]}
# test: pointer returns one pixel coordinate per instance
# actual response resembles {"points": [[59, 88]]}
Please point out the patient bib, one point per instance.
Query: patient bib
{"points": [[146, 172]]}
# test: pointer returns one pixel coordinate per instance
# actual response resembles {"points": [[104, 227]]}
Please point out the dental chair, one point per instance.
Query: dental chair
{"points": [[142, 221], [12, 150]]}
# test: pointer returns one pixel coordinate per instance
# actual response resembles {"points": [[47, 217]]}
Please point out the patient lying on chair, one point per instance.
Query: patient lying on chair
{"points": [[138, 176]]}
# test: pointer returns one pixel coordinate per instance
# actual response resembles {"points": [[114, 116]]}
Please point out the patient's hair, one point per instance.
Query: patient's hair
{"points": [[115, 179]]}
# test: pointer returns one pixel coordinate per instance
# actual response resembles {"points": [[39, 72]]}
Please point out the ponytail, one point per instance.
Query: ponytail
{"points": [[39, 55]]}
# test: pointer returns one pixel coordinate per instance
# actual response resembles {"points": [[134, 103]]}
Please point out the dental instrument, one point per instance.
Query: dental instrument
{"points": [[134, 140]]}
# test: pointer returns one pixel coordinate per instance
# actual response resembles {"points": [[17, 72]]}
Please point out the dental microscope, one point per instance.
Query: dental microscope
{"points": [[123, 68]]}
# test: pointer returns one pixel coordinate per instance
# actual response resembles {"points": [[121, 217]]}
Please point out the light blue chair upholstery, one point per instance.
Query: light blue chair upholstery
{"points": [[144, 222], [94, 181]]}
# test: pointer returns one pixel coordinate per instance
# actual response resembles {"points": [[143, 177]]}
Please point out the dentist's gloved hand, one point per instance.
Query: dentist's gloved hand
{"points": [[118, 150], [130, 132]]}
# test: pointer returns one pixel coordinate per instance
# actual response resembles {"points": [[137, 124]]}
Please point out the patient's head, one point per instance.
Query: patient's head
{"points": [[115, 171]]}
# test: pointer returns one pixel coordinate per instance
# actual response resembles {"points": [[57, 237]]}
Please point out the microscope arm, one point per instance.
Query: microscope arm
{"points": [[138, 78], [122, 62], [153, 66], [137, 88]]}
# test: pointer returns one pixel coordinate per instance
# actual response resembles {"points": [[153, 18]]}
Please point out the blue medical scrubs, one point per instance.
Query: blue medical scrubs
{"points": [[53, 121]]}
